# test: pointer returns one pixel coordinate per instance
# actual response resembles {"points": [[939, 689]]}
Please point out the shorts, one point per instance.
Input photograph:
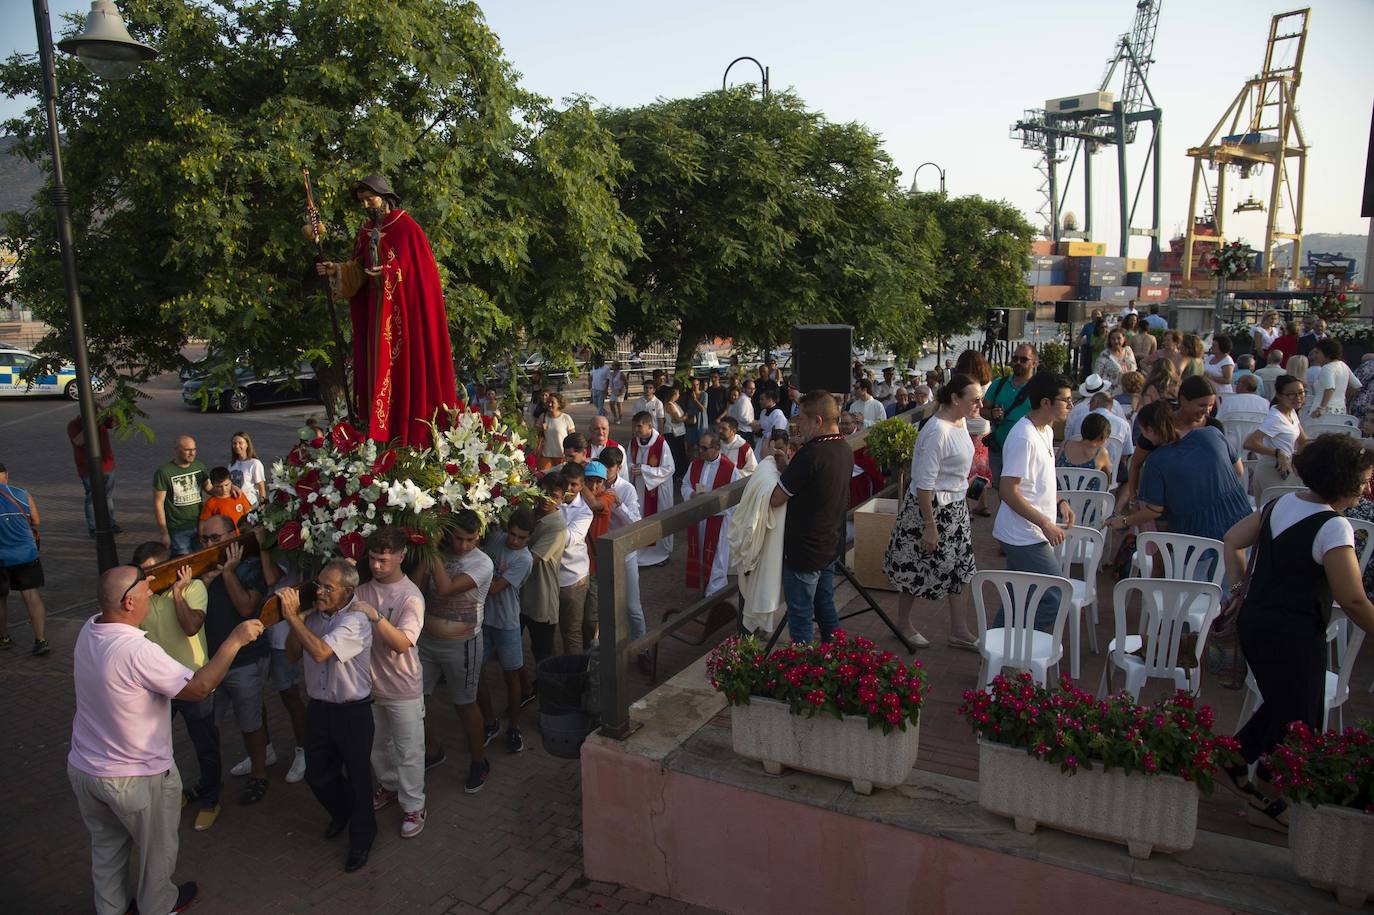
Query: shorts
{"points": [[459, 662], [284, 673], [242, 690], [506, 645], [24, 577]]}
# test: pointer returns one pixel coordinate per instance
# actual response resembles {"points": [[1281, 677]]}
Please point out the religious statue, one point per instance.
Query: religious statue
{"points": [[402, 356]]}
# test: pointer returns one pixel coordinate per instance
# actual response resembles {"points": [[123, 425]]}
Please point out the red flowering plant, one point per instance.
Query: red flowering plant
{"points": [[1332, 306], [1071, 727], [1326, 767], [1233, 261], [844, 676]]}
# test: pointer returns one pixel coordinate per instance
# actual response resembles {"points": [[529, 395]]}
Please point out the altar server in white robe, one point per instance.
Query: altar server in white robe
{"points": [[651, 471]]}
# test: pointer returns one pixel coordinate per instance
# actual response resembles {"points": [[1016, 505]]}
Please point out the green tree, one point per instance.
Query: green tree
{"points": [[983, 249], [187, 195], [756, 215]]}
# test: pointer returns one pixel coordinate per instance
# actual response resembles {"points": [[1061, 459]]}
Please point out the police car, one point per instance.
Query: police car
{"points": [[15, 362]]}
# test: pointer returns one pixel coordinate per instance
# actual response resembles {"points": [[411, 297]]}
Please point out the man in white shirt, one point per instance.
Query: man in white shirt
{"points": [[708, 551], [599, 437], [1026, 524], [1120, 445], [1245, 399], [600, 382], [1130, 309], [886, 389], [741, 410], [866, 405], [734, 447], [649, 403], [770, 417], [651, 471], [575, 569], [1094, 384]]}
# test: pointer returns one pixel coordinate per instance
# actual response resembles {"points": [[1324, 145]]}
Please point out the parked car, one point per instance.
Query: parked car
{"points": [[252, 390], [15, 362]]}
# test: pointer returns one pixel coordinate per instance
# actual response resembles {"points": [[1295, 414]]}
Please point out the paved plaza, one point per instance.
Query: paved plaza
{"points": [[515, 847]]}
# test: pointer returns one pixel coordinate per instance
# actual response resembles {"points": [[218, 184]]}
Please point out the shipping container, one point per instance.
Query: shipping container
{"points": [[1042, 246], [1155, 278], [1049, 262], [1085, 264], [1154, 294], [1101, 278], [1052, 293], [1115, 294], [1083, 248], [1137, 264]]}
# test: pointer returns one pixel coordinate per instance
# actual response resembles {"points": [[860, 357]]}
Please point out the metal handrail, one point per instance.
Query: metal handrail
{"points": [[616, 649]]}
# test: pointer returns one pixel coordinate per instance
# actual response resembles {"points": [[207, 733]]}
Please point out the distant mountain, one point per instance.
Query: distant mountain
{"points": [[20, 180]]}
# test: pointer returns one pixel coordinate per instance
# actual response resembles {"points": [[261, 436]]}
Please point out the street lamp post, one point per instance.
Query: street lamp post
{"points": [[105, 47], [937, 168], [763, 72]]}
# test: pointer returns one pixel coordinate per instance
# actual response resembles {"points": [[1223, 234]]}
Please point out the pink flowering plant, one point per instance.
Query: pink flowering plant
{"points": [[1072, 728], [1233, 261], [1326, 767], [844, 676]]}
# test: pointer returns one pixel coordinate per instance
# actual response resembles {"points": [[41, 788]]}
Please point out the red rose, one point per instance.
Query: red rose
{"points": [[385, 461], [381, 500], [344, 436], [482, 467], [417, 537], [317, 441], [352, 545], [283, 497], [340, 482], [496, 491], [308, 484], [364, 480], [453, 468], [488, 422], [1341, 297], [297, 456], [289, 536]]}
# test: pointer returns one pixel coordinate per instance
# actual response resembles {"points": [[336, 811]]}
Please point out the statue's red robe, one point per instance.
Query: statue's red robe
{"points": [[402, 357]]}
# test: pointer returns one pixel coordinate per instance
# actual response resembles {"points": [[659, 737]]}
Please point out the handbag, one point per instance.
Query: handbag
{"points": [[24, 510], [1225, 662]]}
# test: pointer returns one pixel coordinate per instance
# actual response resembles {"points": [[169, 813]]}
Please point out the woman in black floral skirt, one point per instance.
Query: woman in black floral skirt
{"points": [[930, 555]]}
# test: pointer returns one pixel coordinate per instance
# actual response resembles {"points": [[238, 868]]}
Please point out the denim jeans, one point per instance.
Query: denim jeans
{"points": [[808, 595], [109, 500], [204, 734], [1038, 557], [183, 542], [599, 402]]}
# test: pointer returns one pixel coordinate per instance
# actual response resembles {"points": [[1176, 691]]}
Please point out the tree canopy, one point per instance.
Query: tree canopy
{"points": [[187, 197], [758, 214]]}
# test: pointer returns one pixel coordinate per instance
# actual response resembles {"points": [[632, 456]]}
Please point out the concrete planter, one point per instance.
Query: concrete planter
{"points": [[1332, 848], [845, 749], [1145, 812]]}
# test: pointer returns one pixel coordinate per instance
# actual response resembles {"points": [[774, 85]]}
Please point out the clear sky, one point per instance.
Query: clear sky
{"points": [[944, 81]]}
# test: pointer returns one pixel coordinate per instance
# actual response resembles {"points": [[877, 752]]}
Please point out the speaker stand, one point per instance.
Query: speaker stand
{"points": [[872, 607]]}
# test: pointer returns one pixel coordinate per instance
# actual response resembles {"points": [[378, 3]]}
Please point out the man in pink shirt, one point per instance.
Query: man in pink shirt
{"points": [[398, 701], [120, 764]]}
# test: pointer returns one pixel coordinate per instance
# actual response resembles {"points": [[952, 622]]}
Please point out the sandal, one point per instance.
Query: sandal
{"points": [[254, 791], [1231, 779], [966, 644], [1271, 815]]}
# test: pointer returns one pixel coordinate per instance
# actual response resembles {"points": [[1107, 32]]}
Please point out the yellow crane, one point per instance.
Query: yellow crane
{"points": [[1259, 129]]}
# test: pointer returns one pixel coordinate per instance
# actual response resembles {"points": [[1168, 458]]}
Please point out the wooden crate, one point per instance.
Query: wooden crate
{"points": [[873, 523]]}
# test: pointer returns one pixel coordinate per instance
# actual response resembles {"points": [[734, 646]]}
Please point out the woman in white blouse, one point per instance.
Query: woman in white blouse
{"points": [[1218, 366], [1279, 436], [930, 554], [1334, 378], [1266, 333]]}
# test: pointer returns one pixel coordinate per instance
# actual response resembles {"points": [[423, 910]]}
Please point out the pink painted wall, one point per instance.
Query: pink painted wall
{"points": [[739, 851]]}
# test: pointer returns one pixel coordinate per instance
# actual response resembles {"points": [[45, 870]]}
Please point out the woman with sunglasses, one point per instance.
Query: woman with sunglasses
{"points": [[1279, 437]]}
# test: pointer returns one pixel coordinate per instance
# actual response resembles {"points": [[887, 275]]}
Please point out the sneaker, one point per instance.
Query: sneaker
{"points": [[206, 818], [435, 760], [6, 642], [297, 770], [477, 776], [490, 732], [245, 765], [514, 742], [40, 647], [413, 823], [382, 797], [529, 697], [186, 894]]}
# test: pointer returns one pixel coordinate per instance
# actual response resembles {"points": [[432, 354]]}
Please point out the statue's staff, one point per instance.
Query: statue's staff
{"points": [[317, 231]]}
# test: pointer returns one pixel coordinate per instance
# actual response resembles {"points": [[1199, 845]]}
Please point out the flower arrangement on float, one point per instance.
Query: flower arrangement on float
{"points": [[334, 489], [1328, 778], [1108, 768], [843, 708], [1233, 261]]}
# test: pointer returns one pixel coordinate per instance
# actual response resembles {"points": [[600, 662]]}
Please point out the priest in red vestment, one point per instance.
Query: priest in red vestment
{"points": [[402, 357], [708, 552]]}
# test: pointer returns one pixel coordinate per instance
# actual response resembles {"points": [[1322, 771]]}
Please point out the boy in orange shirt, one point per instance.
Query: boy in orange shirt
{"points": [[222, 500]]}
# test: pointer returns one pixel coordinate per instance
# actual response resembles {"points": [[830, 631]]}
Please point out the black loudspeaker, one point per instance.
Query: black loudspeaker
{"points": [[1007, 324], [1070, 312], [821, 357]]}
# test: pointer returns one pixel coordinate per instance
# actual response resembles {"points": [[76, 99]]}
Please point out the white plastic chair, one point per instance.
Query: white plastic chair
{"points": [[1273, 492], [1342, 423], [1165, 612], [1080, 478], [1238, 428], [1091, 508], [1344, 640], [1248, 465], [1180, 557], [1081, 546], [1017, 643]]}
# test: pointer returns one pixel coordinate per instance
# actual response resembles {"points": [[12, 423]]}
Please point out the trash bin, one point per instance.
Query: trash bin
{"points": [[562, 681], [564, 733]]}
